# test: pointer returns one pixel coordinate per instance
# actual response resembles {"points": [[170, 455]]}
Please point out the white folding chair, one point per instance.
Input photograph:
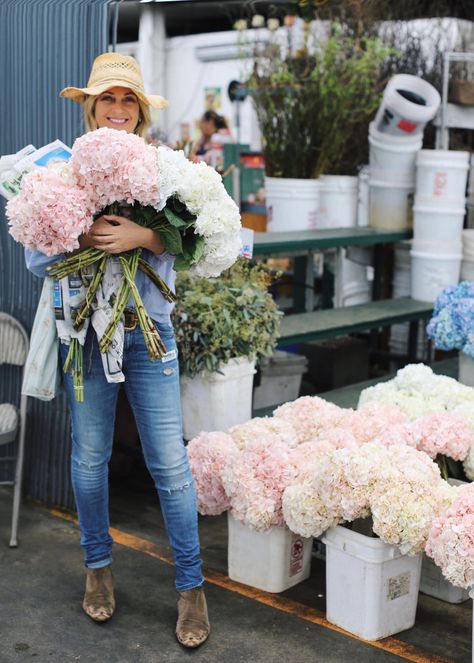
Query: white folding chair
{"points": [[14, 345]]}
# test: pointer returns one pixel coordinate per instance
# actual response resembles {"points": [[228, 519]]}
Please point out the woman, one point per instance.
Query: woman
{"points": [[115, 98], [214, 134]]}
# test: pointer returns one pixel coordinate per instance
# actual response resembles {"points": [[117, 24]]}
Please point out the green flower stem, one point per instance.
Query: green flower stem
{"points": [[443, 466], [121, 300], [74, 263], [156, 347], [167, 293], [74, 364], [83, 312]]}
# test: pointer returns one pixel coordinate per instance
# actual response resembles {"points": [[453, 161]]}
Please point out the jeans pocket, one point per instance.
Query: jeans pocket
{"points": [[164, 329]]}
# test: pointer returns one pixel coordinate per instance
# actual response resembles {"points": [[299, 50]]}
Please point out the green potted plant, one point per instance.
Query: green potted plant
{"points": [[310, 100], [223, 327]]}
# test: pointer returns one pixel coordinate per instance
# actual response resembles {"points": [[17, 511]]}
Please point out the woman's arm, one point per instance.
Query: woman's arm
{"points": [[37, 262]]}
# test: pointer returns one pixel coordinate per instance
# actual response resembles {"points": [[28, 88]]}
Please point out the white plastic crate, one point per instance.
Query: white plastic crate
{"points": [[433, 583], [371, 588], [273, 560]]}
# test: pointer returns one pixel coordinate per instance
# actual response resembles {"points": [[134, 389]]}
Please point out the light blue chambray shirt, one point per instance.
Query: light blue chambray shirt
{"points": [[156, 305]]}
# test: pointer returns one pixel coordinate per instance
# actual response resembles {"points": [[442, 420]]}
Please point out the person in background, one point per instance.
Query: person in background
{"points": [[214, 134]]}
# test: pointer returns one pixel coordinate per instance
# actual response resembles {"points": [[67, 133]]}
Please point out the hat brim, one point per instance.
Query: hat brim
{"points": [[79, 94]]}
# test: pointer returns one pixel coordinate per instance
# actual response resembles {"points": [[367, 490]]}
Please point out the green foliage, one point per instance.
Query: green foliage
{"points": [[218, 319], [310, 102]]}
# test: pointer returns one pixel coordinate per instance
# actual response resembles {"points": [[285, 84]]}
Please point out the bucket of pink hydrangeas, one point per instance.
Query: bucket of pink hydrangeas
{"points": [[419, 392], [362, 478]]}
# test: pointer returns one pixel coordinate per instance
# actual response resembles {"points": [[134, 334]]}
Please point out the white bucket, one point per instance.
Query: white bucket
{"points": [[215, 401], [337, 201], [390, 205], [408, 104], [371, 588], [431, 272], [350, 283], [273, 560], [363, 197], [292, 204], [442, 174], [392, 159], [437, 224]]}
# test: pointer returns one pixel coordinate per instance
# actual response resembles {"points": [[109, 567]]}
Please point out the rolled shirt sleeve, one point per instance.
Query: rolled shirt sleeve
{"points": [[37, 262]]}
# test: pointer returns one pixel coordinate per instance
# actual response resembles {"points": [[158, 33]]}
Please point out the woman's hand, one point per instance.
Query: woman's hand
{"points": [[117, 234]]}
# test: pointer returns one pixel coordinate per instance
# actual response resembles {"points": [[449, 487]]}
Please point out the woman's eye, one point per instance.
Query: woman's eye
{"points": [[107, 97], [130, 100]]}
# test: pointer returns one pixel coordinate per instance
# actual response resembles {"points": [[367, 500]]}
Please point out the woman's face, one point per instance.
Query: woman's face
{"points": [[207, 127], [117, 108]]}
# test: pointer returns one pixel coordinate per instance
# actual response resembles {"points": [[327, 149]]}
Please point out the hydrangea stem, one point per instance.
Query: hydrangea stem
{"points": [[121, 300], [83, 312], [147, 269], [74, 263], [156, 347], [74, 364]]}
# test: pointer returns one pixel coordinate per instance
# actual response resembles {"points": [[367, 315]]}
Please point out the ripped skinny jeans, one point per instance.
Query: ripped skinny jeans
{"points": [[152, 390]]}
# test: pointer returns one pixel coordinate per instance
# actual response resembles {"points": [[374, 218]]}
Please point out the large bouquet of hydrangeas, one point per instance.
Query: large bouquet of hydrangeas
{"points": [[113, 172]]}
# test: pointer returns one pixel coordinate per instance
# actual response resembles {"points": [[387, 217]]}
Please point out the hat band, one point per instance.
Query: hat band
{"points": [[113, 79]]}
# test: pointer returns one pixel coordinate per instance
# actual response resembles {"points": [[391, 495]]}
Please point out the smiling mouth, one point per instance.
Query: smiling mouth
{"points": [[117, 120]]}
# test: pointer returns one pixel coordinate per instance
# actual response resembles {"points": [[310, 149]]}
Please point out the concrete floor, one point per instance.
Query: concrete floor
{"points": [[41, 587]]}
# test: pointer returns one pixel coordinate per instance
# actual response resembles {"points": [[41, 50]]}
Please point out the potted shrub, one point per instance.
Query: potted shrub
{"points": [[223, 327], [310, 99]]}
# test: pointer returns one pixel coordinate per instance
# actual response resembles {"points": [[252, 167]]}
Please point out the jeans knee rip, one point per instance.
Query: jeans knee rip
{"points": [[83, 464], [178, 487]]}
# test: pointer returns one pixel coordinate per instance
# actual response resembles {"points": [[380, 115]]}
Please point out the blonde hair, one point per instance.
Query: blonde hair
{"points": [[141, 129]]}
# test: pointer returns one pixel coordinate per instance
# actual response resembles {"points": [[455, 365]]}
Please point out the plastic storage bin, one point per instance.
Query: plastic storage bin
{"points": [[371, 588], [273, 560], [280, 379], [442, 175], [338, 199], [431, 272], [292, 204], [215, 401], [433, 583], [432, 223]]}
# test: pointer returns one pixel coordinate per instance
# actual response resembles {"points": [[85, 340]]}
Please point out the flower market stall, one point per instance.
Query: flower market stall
{"points": [[372, 482]]}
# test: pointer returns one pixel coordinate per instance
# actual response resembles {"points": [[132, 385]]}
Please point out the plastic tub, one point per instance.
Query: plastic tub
{"points": [[292, 204], [408, 104], [371, 588], [392, 159], [337, 201], [280, 379], [442, 174], [217, 401], [390, 205], [437, 224], [431, 272], [274, 560]]}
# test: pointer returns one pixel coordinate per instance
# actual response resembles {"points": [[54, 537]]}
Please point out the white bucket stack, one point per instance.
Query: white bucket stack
{"points": [[470, 195], [438, 213], [395, 137]]}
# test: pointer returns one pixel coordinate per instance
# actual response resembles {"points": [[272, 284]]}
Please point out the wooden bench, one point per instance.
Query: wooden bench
{"points": [[328, 323]]}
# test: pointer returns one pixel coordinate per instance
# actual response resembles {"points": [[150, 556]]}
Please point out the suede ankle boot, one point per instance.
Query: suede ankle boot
{"points": [[192, 628], [99, 601]]}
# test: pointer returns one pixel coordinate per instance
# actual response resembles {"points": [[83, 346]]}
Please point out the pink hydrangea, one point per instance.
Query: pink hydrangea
{"points": [[265, 429], [447, 433], [255, 481], [50, 212], [373, 419], [310, 416], [451, 539], [116, 166], [208, 453]]}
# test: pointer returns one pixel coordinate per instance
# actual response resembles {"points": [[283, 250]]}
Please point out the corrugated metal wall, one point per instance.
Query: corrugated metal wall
{"points": [[45, 45]]}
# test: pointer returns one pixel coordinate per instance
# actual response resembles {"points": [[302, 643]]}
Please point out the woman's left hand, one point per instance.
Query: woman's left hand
{"points": [[117, 234]]}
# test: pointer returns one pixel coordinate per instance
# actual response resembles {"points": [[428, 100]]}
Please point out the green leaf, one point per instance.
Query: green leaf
{"points": [[174, 219], [181, 264], [172, 240]]}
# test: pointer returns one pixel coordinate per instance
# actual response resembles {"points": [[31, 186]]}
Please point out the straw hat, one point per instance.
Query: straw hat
{"points": [[112, 70]]}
